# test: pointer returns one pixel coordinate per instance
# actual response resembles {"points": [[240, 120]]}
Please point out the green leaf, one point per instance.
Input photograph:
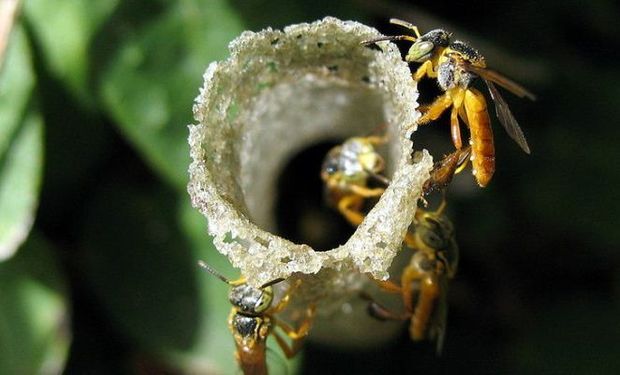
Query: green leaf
{"points": [[34, 334], [143, 269], [20, 146], [141, 249], [215, 344], [150, 81], [16, 83], [64, 31], [20, 177], [140, 266]]}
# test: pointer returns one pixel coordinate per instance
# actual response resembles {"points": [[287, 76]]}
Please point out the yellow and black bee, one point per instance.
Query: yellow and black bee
{"points": [[252, 319], [456, 65]]}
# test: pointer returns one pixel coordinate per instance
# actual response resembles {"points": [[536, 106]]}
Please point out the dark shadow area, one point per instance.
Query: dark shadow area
{"points": [[302, 214]]}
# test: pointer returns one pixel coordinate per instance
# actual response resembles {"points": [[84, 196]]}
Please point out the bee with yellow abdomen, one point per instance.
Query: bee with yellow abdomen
{"points": [[424, 282], [456, 65]]}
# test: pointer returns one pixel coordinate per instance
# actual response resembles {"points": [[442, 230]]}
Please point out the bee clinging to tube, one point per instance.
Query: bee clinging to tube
{"points": [[456, 65], [252, 319], [424, 281]]}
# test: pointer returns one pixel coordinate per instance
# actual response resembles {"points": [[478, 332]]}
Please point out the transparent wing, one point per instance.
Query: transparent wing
{"points": [[276, 362], [502, 80], [437, 331], [506, 118]]}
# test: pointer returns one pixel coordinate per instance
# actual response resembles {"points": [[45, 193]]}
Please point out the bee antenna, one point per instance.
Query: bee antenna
{"points": [[443, 204], [213, 272], [272, 282], [382, 179]]}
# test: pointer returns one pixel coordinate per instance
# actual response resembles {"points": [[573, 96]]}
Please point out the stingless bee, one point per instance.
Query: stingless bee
{"points": [[424, 281], [252, 320], [456, 65], [347, 171]]}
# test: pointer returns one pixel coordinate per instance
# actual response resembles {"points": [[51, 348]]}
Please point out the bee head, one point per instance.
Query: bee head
{"points": [[426, 45], [250, 300]]}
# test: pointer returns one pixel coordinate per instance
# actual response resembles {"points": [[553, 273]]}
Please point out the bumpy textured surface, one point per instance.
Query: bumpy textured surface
{"points": [[277, 94]]}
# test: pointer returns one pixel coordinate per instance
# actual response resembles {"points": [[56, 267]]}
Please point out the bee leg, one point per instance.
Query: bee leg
{"points": [[380, 312], [286, 298], [408, 279], [423, 108], [457, 95], [426, 69], [367, 192], [436, 108], [349, 208], [377, 140], [463, 160], [429, 293], [411, 240], [443, 204], [455, 129], [389, 286], [463, 115], [297, 336]]}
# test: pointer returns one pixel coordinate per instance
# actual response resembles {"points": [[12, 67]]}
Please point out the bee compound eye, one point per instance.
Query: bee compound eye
{"points": [[420, 51]]}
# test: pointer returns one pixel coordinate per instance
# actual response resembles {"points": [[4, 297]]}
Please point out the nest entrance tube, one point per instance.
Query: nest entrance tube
{"points": [[277, 94]]}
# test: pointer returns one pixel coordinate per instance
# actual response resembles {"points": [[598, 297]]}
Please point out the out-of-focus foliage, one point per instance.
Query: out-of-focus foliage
{"points": [[21, 146], [20, 175], [152, 69], [64, 31], [16, 83], [113, 82], [34, 312]]}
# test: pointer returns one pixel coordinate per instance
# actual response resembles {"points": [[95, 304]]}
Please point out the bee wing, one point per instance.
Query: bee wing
{"points": [[502, 80], [276, 364], [272, 282], [438, 329], [506, 118]]}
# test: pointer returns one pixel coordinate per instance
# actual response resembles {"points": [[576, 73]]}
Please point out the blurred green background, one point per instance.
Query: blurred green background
{"points": [[95, 96]]}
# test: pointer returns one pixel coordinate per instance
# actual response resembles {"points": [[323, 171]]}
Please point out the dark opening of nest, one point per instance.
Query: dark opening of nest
{"points": [[302, 215]]}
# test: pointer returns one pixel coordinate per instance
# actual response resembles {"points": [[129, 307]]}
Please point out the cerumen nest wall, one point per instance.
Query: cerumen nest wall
{"points": [[278, 93]]}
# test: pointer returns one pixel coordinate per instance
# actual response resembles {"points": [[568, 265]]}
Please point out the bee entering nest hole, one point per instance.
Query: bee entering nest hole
{"points": [[305, 209], [301, 212], [278, 131]]}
